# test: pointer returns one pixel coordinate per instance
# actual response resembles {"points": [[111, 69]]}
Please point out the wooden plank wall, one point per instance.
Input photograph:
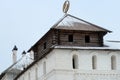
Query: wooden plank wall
{"points": [[79, 38], [60, 37]]}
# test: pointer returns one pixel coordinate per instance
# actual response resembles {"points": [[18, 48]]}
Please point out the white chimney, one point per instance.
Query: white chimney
{"points": [[32, 54], [23, 53], [14, 54]]}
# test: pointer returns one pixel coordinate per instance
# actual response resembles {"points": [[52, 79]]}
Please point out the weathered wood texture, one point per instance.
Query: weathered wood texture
{"points": [[39, 49], [60, 37], [96, 38]]}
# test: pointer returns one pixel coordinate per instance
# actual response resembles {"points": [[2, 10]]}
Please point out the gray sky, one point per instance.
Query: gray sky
{"points": [[23, 22]]}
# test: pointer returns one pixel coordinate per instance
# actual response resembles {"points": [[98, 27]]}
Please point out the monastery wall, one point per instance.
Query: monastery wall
{"points": [[59, 65]]}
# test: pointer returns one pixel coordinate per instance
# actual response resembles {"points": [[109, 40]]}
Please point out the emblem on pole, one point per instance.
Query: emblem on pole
{"points": [[66, 6]]}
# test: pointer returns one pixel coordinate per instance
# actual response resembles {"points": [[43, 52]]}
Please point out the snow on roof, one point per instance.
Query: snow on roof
{"points": [[113, 44], [19, 66], [109, 45]]}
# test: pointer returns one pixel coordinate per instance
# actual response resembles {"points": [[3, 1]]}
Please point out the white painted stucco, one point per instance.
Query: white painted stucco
{"points": [[59, 65]]}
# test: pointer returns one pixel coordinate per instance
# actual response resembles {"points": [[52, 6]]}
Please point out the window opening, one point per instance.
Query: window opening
{"points": [[113, 62], [70, 38], [87, 39], [23, 78], [36, 73], [29, 76], [75, 62], [45, 45], [44, 68], [94, 62]]}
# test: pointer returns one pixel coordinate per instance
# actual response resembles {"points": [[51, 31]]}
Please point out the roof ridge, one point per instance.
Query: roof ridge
{"points": [[57, 23]]}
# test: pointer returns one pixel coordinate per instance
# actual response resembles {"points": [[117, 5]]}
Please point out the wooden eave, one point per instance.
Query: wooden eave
{"points": [[54, 27], [37, 43]]}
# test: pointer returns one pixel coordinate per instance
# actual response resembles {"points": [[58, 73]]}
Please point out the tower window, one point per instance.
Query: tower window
{"points": [[75, 62], [94, 62], [36, 73], [70, 38], [44, 67], [45, 45], [29, 78], [113, 62], [87, 39], [23, 78]]}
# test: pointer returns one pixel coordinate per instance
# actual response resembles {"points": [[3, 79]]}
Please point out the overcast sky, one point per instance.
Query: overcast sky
{"points": [[23, 22]]}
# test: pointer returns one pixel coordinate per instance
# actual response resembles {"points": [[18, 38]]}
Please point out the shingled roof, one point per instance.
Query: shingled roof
{"points": [[69, 22]]}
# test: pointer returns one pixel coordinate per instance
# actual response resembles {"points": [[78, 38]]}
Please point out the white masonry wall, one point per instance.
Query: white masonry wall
{"points": [[58, 65]]}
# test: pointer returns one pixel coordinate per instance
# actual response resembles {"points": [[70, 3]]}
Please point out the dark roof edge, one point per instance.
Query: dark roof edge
{"points": [[114, 41]]}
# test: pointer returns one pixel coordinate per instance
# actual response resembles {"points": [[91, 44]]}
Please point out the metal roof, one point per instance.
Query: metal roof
{"points": [[69, 22], [18, 66]]}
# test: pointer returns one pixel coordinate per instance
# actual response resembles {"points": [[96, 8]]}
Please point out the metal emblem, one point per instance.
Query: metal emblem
{"points": [[66, 6]]}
